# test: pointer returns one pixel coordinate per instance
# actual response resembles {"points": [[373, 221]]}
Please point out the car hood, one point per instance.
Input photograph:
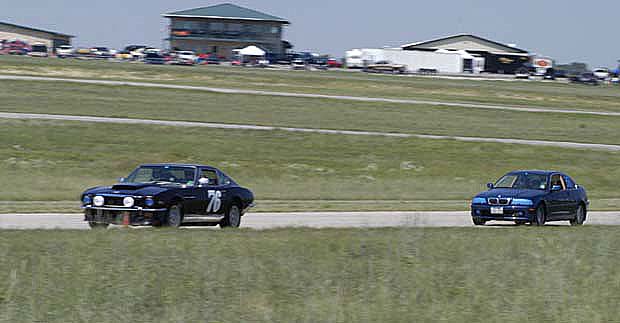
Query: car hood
{"points": [[513, 193], [129, 189]]}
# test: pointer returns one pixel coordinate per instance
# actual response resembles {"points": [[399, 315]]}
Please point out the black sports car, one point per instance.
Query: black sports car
{"points": [[585, 78], [531, 196], [170, 195]]}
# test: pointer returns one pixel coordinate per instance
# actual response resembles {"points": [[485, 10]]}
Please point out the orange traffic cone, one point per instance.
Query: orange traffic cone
{"points": [[126, 219]]}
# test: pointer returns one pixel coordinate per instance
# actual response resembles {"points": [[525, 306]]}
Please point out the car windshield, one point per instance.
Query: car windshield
{"points": [[523, 181], [163, 174]]}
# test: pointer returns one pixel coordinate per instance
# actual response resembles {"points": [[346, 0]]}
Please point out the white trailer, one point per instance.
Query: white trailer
{"points": [[440, 61], [353, 58]]}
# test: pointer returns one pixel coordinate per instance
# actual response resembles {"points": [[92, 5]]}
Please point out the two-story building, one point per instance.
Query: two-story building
{"points": [[222, 28]]}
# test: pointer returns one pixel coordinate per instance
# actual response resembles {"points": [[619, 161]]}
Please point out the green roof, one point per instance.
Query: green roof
{"points": [[36, 29], [226, 11]]}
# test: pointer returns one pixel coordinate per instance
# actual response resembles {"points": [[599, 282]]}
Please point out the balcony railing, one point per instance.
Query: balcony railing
{"points": [[223, 35]]}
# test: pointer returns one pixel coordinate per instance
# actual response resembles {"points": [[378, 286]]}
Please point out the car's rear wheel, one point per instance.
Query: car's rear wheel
{"points": [[540, 217], [478, 221], [232, 218], [97, 225], [175, 216], [580, 216]]}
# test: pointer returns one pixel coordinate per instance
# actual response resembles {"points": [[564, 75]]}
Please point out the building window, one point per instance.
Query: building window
{"points": [[275, 30], [217, 27], [234, 27]]}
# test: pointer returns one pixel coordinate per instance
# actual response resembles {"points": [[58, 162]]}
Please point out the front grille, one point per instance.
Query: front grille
{"points": [[499, 201], [113, 201], [117, 201]]}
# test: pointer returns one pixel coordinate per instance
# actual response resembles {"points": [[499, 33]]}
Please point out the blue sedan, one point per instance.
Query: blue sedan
{"points": [[531, 196]]}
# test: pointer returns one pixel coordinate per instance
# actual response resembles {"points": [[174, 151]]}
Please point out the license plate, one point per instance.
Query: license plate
{"points": [[497, 210]]}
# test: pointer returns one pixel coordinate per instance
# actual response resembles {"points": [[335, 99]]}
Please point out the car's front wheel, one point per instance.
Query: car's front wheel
{"points": [[232, 218], [540, 217], [478, 221], [580, 216], [175, 216], [98, 225]]}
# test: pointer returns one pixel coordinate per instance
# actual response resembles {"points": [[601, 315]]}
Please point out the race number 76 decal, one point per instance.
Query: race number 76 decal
{"points": [[215, 201]]}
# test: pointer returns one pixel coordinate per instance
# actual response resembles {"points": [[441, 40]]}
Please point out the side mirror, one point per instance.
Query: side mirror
{"points": [[121, 179], [556, 188], [490, 186]]}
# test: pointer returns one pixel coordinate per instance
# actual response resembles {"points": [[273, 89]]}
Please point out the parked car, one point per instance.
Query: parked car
{"points": [[15, 47], [155, 58], [385, 67], [185, 57], [585, 78], [169, 195], [211, 59], [64, 51], [281, 59], [536, 197], [135, 51], [334, 63], [298, 64], [123, 55], [560, 73], [101, 52], [522, 73], [601, 73], [549, 74], [320, 62], [262, 62], [83, 52], [38, 50]]}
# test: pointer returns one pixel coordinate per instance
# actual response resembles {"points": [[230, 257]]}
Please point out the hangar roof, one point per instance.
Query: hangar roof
{"points": [[225, 11], [465, 42], [53, 33]]}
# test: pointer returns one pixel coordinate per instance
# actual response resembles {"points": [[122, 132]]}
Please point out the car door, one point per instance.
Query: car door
{"points": [[190, 192], [191, 200], [573, 197], [213, 193], [557, 199]]}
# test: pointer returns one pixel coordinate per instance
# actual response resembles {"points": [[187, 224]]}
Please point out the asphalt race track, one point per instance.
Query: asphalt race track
{"points": [[261, 221]]}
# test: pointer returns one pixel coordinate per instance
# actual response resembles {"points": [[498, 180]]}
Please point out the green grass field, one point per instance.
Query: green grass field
{"points": [[55, 161], [381, 275], [166, 104], [294, 172], [340, 83]]}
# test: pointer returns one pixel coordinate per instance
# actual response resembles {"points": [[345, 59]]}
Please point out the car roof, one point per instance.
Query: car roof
{"points": [[536, 171], [179, 165]]}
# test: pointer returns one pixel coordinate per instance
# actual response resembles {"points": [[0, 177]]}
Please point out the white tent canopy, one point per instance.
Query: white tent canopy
{"points": [[252, 51]]}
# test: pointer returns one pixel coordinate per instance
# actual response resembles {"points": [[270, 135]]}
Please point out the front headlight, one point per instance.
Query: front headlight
{"points": [[522, 202], [128, 201], [98, 200], [479, 200], [149, 202], [86, 200]]}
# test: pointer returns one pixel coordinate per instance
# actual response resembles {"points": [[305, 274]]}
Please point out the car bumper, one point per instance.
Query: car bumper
{"points": [[121, 215], [508, 213]]}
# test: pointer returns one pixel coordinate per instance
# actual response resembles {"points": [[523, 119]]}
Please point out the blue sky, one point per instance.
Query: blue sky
{"points": [[567, 30]]}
